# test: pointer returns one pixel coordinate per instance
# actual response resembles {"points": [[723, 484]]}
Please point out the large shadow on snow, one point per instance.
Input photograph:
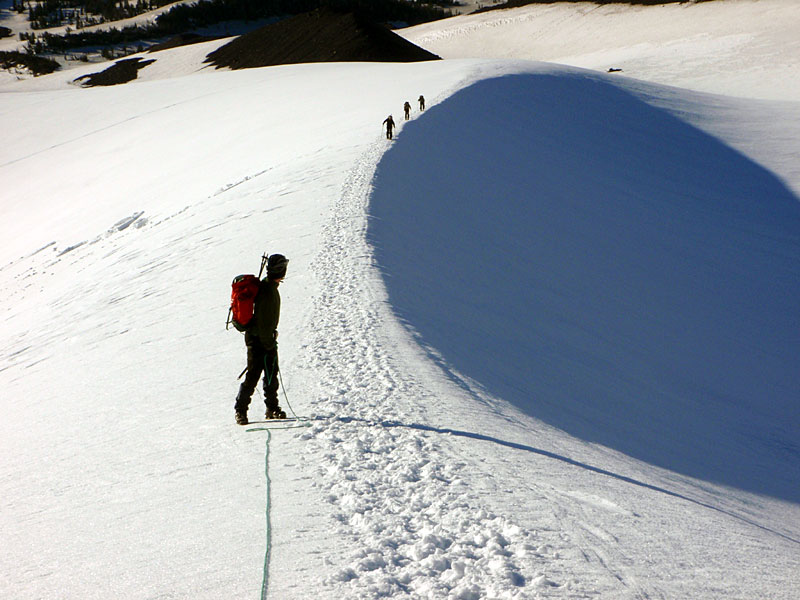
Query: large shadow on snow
{"points": [[605, 267]]}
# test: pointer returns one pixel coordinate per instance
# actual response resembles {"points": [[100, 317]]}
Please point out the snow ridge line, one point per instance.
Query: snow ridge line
{"points": [[399, 498]]}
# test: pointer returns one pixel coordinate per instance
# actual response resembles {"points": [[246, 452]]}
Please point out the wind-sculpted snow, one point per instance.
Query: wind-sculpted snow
{"points": [[606, 268]]}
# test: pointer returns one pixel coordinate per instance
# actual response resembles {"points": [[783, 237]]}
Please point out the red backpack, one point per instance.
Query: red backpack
{"points": [[244, 290]]}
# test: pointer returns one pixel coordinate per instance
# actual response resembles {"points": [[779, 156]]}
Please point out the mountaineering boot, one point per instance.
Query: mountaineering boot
{"points": [[275, 413], [241, 418]]}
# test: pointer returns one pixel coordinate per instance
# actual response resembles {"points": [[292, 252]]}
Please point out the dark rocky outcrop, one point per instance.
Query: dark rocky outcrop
{"points": [[121, 71], [322, 35]]}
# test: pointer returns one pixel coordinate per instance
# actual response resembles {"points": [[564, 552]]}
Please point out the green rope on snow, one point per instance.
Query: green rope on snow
{"points": [[265, 580], [295, 421]]}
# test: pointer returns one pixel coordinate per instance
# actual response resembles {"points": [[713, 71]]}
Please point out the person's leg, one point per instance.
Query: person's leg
{"points": [[255, 365], [271, 381]]}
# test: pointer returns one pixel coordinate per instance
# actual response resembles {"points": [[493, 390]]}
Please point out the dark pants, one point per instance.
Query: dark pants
{"points": [[259, 360]]}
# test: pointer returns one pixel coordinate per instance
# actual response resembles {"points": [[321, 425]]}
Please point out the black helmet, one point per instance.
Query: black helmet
{"points": [[276, 266]]}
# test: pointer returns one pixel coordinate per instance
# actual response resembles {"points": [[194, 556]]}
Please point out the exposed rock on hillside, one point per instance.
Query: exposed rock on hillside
{"points": [[121, 71], [318, 36]]}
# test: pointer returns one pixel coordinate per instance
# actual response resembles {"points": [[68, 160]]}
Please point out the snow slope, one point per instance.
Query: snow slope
{"points": [[423, 473], [646, 302], [744, 48], [126, 212]]}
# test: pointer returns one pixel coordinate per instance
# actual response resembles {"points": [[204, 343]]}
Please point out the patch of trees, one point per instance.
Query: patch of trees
{"points": [[519, 3], [210, 12], [393, 11], [82, 13], [59, 44], [37, 65], [187, 17]]}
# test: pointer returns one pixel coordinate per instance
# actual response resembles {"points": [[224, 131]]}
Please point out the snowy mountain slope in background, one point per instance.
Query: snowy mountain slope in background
{"points": [[168, 64], [19, 23], [126, 212], [746, 48]]}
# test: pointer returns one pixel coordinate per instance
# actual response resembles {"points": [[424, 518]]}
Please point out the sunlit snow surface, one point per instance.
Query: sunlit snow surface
{"points": [[547, 338]]}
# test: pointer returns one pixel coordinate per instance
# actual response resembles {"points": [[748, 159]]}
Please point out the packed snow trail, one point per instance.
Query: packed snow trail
{"points": [[417, 534]]}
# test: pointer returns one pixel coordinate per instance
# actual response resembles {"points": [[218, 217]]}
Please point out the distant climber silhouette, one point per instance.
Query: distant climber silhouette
{"points": [[389, 122]]}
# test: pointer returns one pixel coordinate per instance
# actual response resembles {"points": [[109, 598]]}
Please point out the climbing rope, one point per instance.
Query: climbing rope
{"points": [[265, 580], [295, 420]]}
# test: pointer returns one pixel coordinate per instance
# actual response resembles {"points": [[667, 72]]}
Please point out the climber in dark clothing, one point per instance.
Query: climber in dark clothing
{"points": [[261, 339], [407, 110], [421, 102], [389, 122]]}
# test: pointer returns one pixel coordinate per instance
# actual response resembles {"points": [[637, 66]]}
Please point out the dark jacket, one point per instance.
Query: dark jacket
{"points": [[267, 312]]}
